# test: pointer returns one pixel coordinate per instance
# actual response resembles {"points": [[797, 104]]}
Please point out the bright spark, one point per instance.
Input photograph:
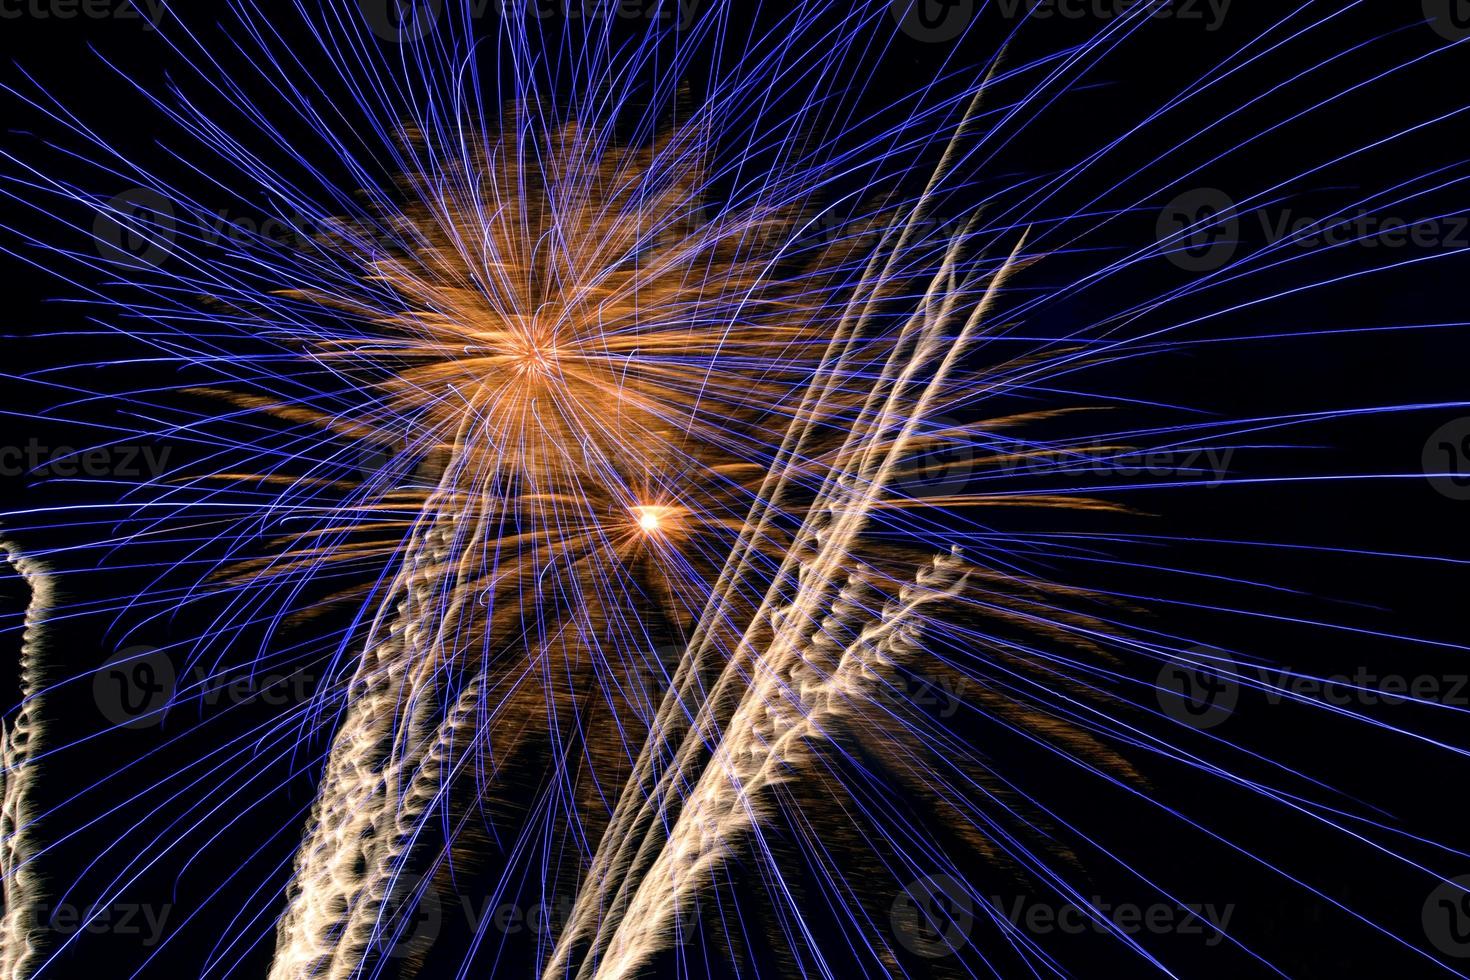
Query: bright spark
{"points": [[649, 519]]}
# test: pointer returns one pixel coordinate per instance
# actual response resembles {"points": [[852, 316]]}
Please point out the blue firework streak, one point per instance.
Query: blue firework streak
{"points": [[583, 409]]}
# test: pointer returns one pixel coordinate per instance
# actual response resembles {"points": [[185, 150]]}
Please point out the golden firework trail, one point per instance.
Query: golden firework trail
{"points": [[607, 440], [20, 742], [585, 456]]}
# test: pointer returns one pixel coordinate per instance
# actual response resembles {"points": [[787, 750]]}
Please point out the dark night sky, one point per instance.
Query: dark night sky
{"points": [[1420, 789]]}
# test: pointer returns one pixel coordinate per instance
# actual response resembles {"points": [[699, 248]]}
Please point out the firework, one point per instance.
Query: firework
{"points": [[20, 743], [609, 440]]}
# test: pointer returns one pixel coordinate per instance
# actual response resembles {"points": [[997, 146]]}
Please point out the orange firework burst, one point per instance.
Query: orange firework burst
{"points": [[610, 379]]}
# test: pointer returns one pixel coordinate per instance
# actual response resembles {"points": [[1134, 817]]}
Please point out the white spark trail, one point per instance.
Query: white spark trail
{"points": [[366, 759], [767, 738], [908, 389], [596, 910], [19, 883]]}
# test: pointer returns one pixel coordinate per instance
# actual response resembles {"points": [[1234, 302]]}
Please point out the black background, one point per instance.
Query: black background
{"points": [[1420, 789]]}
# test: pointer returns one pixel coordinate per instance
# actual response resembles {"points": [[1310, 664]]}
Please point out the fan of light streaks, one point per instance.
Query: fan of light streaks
{"points": [[608, 437]]}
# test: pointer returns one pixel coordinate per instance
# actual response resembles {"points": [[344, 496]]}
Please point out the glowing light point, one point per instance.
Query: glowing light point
{"points": [[648, 519]]}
